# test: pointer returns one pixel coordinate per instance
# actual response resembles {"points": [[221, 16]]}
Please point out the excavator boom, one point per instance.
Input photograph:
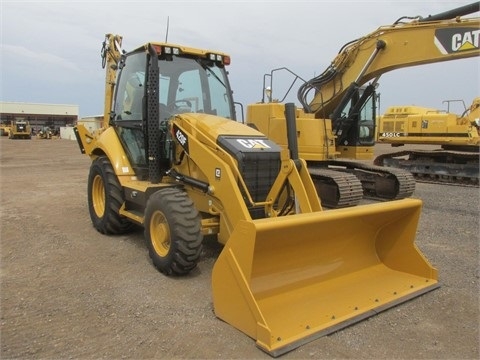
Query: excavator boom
{"points": [[433, 39]]}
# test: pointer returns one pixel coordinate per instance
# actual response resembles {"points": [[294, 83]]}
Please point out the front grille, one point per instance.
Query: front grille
{"points": [[258, 165]]}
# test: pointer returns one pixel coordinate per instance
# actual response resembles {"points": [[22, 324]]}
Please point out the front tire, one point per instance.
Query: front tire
{"points": [[173, 231], [105, 197]]}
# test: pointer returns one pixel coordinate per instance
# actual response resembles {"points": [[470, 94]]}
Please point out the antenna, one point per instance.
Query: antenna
{"points": [[168, 25]]}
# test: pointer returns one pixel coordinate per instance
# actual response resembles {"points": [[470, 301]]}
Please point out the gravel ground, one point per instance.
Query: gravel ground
{"points": [[69, 292]]}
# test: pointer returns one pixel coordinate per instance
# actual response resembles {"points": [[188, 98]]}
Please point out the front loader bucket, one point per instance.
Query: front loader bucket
{"points": [[286, 281]]}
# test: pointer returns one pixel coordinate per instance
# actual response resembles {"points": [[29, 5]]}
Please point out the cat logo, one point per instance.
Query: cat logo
{"points": [[253, 143], [454, 40]]}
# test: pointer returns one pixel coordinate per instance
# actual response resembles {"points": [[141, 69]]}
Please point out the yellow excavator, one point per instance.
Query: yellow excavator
{"points": [[457, 160], [171, 158], [338, 123]]}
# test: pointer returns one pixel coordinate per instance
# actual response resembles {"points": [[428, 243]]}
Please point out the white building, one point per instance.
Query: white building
{"points": [[53, 116]]}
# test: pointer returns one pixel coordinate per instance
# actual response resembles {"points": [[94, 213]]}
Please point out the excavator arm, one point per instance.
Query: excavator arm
{"points": [[437, 38]]}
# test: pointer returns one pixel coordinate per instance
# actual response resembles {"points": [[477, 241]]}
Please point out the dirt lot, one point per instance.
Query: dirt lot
{"points": [[69, 292]]}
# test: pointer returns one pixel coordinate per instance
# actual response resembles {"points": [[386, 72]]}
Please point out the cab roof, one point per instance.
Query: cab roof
{"points": [[183, 49]]}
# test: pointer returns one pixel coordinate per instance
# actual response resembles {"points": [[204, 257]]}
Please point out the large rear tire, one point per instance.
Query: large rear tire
{"points": [[105, 197], [173, 231]]}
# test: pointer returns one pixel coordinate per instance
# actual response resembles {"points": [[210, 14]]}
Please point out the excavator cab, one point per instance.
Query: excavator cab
{"points": [[353, 122]]}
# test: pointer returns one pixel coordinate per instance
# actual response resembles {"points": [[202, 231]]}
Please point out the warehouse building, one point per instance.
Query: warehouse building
{"points": [[40, 116]]}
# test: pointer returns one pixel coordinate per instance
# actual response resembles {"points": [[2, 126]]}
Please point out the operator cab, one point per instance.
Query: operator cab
{"points": [[186, 80], [356, 124]]}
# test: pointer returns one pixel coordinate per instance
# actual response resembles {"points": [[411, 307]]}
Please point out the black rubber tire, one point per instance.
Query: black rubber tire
{"points": [[105, 197], [173, 231]]}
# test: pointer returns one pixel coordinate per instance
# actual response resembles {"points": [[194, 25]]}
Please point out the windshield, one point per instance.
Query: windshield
{"points": [[186, 85], [193, 85]]}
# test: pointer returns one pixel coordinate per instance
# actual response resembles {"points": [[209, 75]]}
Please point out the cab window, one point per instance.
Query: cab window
{"points": [[131, 89]]}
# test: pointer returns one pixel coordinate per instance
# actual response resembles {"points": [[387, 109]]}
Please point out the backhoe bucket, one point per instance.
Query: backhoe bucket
{"points": [[287, 281]]}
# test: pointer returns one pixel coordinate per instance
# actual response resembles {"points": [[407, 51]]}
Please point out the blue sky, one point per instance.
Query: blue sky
{"points": [[50, 50]]}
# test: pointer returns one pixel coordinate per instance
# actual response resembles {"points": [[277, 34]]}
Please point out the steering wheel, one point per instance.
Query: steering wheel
{"points": [[173, 105]]}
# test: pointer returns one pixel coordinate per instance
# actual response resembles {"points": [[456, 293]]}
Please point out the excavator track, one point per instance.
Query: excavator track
{"points": [[376, 182], [336, 189], [437, 166]]}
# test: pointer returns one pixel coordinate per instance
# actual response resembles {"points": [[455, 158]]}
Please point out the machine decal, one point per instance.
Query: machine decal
{"points": [[181, 137], [393, 134], [450, 41]]}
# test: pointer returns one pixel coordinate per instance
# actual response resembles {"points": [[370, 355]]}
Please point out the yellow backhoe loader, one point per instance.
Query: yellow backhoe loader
{"points": [[171, 158], [338, 123], [457, 159], [20, 129]]}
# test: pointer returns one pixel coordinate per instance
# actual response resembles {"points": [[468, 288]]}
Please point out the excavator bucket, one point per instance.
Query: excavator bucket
{"points": [[287, 281]]}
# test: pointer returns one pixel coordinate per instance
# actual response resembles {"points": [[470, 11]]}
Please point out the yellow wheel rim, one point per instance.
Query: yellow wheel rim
{"points": [[160, 233], [98, 196]]}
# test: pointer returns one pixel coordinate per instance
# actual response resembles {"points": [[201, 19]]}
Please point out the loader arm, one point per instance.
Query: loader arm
{"points": [[433, 39], [206, 165]]}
